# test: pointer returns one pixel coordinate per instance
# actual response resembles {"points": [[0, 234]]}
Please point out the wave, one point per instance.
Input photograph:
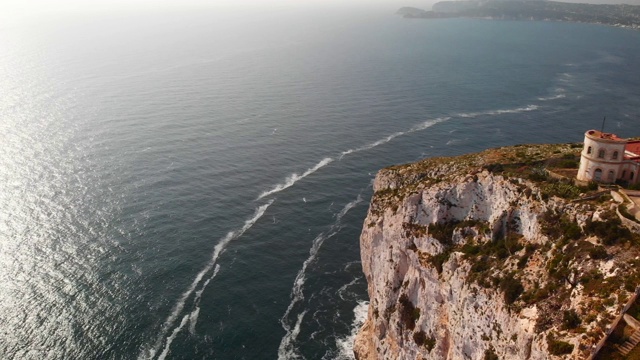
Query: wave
{"points": [[554, 97], [173, 335], [286, 349], [344, 287], [422, 126], [456, 141], [371, 145], [294, 178], [429, 123], [193, 318], [499, 112], [345, 345], [179, 306]]}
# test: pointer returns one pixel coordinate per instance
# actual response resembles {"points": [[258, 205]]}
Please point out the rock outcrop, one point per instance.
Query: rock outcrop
{"points": [[484, 256]]}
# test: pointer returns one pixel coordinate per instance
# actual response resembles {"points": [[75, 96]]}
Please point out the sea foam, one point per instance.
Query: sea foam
{"points": [[294, 178], [345, 345], [179, 306], [286, 350]]}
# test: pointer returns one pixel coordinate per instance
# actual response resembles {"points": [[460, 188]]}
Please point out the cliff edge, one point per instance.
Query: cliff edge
{"points": [[488, 256]]}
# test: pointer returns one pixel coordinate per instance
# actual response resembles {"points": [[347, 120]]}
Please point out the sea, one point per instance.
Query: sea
{"points": [[192, 183]]}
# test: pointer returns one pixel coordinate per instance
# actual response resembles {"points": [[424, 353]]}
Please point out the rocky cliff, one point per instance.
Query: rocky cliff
{"points": [[486, 256]]}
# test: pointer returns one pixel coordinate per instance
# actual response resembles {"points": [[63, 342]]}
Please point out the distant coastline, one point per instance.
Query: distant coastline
{"points": [[619, 15]]}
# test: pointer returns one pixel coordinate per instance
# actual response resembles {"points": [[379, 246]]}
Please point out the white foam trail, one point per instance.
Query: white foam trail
{"points": [[175, 332], [348, 207], [345, 345], [499, 112], [285, 350], [344, 287], [385, 140], [193, 320], [372, 145], [179, 306], [555, 97], [456, 141], [429, 123], [293, 178]]}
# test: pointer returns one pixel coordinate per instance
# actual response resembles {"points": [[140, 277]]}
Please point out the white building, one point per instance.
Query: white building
{"points": [[607, 158]]}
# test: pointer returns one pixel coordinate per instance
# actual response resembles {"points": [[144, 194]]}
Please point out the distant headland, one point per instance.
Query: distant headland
{"points": [[620, 15]]}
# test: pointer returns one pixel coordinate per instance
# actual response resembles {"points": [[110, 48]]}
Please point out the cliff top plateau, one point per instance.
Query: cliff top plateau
{"points": [[499, 255]]}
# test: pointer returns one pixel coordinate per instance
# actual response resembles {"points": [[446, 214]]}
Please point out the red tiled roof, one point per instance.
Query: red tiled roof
{"points": [[632, 150]]}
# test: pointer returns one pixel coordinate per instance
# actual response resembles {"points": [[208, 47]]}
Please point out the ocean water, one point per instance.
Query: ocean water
{"points": [[193, 184]]}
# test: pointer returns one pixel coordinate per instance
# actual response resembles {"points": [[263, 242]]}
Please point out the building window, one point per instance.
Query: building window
{"points": [[624, 173], [601, 154], [615, 155], [597, 175], [589, 150], [612, 176], [631, 176]]}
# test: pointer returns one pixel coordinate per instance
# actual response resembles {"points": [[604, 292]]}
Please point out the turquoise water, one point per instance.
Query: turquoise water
{"points": [[193, 185]]}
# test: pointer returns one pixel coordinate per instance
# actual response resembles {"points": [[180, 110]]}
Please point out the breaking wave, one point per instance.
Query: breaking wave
{"points": [[294, 178], [422, 126], [345, 345], [179, 306], [554, 97], [286, 349], [499, 112], [372, 145]]}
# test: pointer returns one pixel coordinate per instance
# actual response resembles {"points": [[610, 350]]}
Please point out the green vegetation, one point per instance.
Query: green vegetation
{"points": [[490, 354], [511, 287], [499, 257], [443, 232], [622, 208], [570, 319], [598, 253], [557, 347], [610, 230], [409, 314], [421, 339]]}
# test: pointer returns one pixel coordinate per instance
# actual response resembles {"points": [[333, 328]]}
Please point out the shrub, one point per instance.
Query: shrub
{"points": [[598, 253], [624, 212], [494, 168], [568, 164], [421, 339], [512, 288], [442, 231], [470, 249], [571, 230], [610, 231], [490, 354], [481, 264], [538, 175], [409, 314], [557, 347], [570, 319], [439, 260]]}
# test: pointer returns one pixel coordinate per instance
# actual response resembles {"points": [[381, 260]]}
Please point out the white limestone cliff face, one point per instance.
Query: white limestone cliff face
{"points": [[421, 310]]}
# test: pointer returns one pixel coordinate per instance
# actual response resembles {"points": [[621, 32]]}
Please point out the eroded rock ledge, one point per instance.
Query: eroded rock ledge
{"points": [[485, 255]]}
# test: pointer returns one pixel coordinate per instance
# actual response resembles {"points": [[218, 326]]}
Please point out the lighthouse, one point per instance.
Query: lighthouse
{"points": [[607, 158]]}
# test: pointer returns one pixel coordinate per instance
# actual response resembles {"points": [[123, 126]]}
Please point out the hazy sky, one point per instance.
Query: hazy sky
{"points": [[18, 11]]}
